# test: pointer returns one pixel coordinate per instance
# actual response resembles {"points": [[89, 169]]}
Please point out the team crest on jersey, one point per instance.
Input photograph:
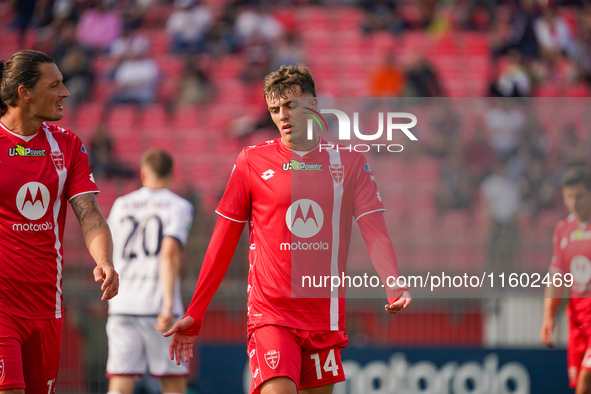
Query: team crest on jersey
{"points": [[1, 369], [20, 150], [58, 160], [272, 358], [337, 172]]}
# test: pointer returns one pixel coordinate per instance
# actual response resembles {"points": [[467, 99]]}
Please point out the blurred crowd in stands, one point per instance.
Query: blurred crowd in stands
{"points": [[532, 48]]}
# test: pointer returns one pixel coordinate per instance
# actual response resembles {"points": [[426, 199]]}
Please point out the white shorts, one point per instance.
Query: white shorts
{"points": [[135, 346]]}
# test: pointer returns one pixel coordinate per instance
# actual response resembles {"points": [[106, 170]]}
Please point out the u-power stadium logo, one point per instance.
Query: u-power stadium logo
{"points": [[32, 200], [20, 150], [304, 218], [390, 119]]}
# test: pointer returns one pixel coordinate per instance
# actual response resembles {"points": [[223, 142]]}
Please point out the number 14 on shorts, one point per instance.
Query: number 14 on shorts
{"points": [[330, 364]]}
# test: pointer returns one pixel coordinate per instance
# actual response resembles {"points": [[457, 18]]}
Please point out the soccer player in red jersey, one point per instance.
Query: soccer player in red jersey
{"points": [[298, 196], [42, 166], [572, 254]]}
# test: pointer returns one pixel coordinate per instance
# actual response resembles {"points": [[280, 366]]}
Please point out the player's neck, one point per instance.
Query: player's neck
{"points": [[156, 184], [17, 121], [302, 146]]}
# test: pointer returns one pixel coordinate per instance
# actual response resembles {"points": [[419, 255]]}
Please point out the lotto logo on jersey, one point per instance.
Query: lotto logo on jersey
{"points": [[32, 200], [304, 218]]}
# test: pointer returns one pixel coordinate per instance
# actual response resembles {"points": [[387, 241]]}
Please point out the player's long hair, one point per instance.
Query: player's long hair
{"points": [[23, 68], [285, 79]]}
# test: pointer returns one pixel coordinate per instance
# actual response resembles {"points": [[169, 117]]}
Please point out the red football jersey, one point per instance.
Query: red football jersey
{"points": [[572, 253], [38, 174], [299, 210]]}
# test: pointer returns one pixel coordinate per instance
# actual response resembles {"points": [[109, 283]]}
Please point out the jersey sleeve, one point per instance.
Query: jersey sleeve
{"points": [[557, 263], [80, 179], [235, 203], [180, 223], [381, 251], [367, 197]]}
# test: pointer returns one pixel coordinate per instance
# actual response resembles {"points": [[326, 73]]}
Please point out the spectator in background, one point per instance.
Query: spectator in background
{"points": [[552, 34], [386, 79], [99, 26], [446, 123], [101, 157], [503, 201], [194, 85], [421, 79], [187, 26], [74, 64], [571, 150], [257, 59], [513, 79], [504, 122], [538, 190], [581, 53], [136, 78], [24, 10], [287, 51], [455, 189], [129, 41], [479, 156], [255, 23], [381, 15], [521, 30]]}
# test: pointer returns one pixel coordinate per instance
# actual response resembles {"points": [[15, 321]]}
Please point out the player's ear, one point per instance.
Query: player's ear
{"points": [[24, 93], [314, 104]]}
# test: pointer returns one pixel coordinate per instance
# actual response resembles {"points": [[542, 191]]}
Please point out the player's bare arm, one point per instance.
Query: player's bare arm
{"points": [[552, 300], [170, 262], [99, 243]]}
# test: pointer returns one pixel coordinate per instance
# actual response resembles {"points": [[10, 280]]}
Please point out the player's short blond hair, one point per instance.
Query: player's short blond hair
{"points": [[286, 79], [159, 162]]}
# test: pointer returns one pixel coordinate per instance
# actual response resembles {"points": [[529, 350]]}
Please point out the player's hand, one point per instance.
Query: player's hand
{"points": [[106, 273], [164, 321], [546, 331], [181, 344], [401, 303]]}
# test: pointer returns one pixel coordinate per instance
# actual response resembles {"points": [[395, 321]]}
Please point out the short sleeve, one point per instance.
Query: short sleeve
{"points": [[236, 201], [367, 196], [80, 179], [180, 222]]}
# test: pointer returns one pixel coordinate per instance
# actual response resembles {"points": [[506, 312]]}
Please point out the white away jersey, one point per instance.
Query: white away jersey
{"points": [[139, 221]]}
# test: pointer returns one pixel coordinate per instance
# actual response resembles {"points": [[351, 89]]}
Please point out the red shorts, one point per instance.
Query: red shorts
{"points": [[309, 358], [579, 342], [29, 353]]}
